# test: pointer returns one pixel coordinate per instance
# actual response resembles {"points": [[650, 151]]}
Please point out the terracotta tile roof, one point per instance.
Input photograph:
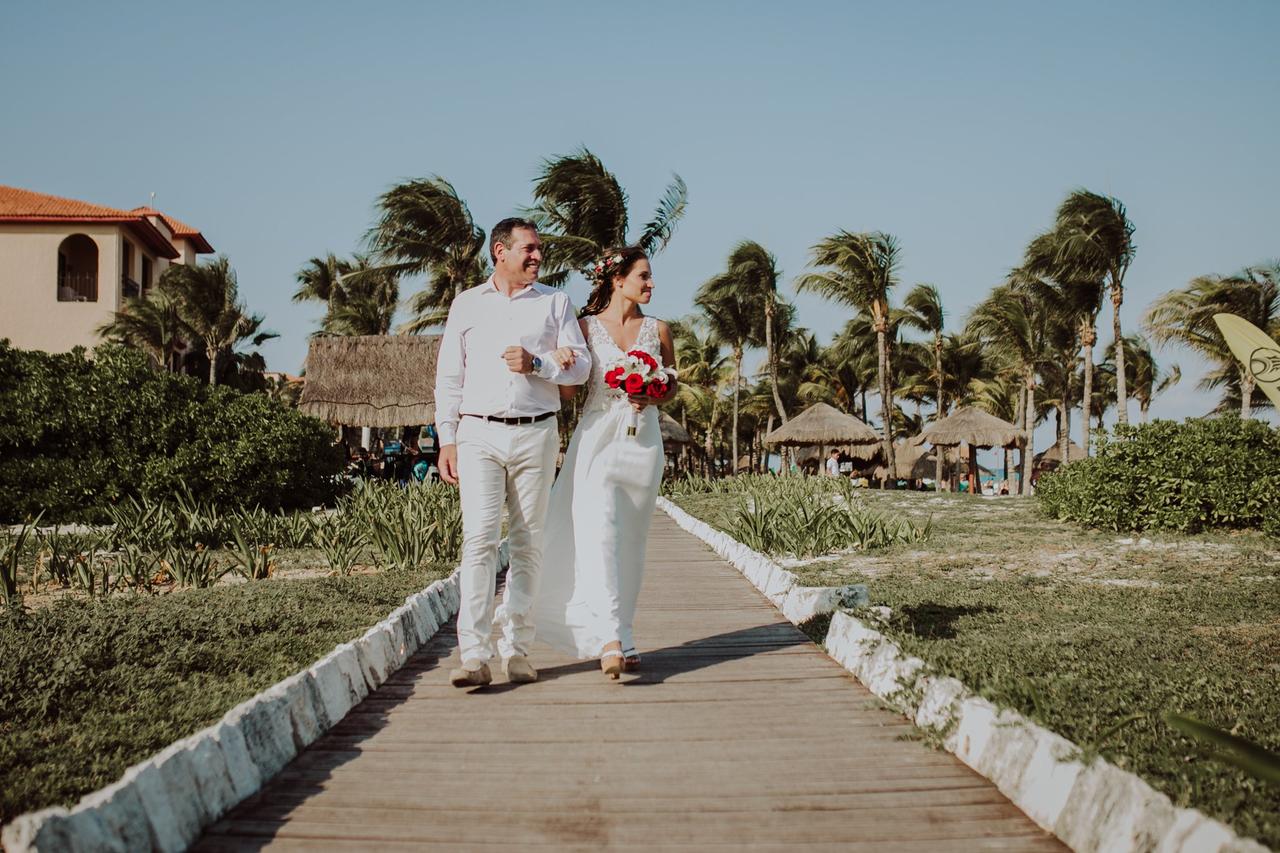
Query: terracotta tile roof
{"points": [[19, 205], [16, 203], [179, 228]]}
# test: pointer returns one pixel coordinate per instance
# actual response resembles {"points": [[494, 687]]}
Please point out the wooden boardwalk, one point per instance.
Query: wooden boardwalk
{"points": [[738, 733]]}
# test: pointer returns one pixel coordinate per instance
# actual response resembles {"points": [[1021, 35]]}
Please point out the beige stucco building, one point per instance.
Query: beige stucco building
{"points": [[67, 265]]}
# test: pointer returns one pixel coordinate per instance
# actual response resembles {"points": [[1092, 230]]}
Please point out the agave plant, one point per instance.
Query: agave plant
{"points": [[191, 567], [11, 548], [341, 541], [250, 560], [57, 556]]}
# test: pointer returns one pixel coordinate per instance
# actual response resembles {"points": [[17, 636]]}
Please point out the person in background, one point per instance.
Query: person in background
{"points": [[833, 464]]}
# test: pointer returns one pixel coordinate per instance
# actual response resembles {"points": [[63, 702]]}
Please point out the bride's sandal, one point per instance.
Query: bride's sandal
{"points": [[630, 660], [611, 662]]}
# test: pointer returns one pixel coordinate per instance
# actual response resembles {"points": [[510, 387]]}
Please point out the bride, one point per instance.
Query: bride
{"points": [[603, 499]]}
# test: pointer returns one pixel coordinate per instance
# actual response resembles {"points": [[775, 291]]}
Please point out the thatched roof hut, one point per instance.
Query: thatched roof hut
{"points": [[972, 426], [822, 425], [672, 432], [1053, 456], [373, 380], [907, 459]]}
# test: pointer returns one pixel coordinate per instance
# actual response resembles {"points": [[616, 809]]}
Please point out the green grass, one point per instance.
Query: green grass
{"points": [[88, 688], [1094, 635]]}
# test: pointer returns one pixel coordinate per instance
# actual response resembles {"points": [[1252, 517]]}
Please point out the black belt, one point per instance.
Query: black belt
{"points": [[524, 419]]}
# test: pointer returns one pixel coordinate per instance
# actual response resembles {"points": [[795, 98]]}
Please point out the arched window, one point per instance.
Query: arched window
{"points": [[78, 269]]}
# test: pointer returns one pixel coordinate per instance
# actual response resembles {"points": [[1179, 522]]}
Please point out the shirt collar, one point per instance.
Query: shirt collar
{"points": [[491, 286]]}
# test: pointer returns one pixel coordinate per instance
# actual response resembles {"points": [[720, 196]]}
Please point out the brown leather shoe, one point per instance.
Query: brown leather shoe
{"points": [[471, 674], [519, 670]]}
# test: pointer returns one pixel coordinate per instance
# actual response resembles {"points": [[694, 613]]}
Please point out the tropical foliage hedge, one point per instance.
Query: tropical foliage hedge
{"points": [[1202, 474], [80, 434]]}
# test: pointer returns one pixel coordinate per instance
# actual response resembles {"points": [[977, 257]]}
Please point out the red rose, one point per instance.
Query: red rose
{"points": [[635, 383], [611, 378], [656, 389], [645, 357]]}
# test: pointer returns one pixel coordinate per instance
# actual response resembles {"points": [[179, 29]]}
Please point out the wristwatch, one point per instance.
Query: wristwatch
{"points": [[537, 364]]}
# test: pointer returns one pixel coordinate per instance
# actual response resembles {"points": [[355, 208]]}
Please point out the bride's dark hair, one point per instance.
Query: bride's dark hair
{"points": [[616, 262]]}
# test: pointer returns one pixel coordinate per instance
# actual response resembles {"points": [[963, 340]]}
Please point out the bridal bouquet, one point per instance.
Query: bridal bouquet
{"points": [[637, 372]]}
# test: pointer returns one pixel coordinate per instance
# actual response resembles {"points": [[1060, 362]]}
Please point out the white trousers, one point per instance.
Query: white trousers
{"points": [[499, 465]]}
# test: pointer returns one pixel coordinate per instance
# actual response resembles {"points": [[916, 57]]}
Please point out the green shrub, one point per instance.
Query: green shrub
{"points": [[79, 434], [1203, 474]]}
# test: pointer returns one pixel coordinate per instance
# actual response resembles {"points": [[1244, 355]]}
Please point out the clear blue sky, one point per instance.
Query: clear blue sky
{"points": [[958, 127]]}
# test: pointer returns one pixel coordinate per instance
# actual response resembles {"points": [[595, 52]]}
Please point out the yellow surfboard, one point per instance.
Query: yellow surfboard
{"points": [[1255, 349]]}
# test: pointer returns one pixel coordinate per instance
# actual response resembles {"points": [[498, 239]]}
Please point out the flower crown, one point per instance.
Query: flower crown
{"points": [[601, 269]]}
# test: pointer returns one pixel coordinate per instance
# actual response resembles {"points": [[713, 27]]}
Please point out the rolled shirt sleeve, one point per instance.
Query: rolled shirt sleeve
{"points": [[450, 370], [569, 334]]}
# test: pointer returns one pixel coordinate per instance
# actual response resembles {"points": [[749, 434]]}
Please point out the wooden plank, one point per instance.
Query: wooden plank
{"points": [[737, 732]]}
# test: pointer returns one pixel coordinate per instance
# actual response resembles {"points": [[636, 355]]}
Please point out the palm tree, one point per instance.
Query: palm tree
{"points": [[319, 278], [754, 273], [854, 348], [736, 319], [1146, 379], [1186, 317], [364, 301], [208, 300], [425, 228], [1093, 241], [702, 369], [859, 270], [1077, 294], [151, 324], [1011, 326], [581, 210], [924, 312]]}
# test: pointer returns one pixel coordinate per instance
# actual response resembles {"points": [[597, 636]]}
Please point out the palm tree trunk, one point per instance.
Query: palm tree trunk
{"points": [[1019, 418], [1247, 383], [212, 353], [1088, 337], [1143, 407], [938, 457], [764, 449], [773, 361], [737, 377], [1122, 392], [1030, 428], [1064, 439], [937, 370], [886, 403]]}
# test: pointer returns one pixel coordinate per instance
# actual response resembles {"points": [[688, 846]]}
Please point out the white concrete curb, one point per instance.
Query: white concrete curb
{"points": [[797, 602], [1093, 807], [165, 802]]}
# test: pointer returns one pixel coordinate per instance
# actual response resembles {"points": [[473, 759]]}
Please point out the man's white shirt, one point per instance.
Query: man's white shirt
{"points": [[472, 377]]}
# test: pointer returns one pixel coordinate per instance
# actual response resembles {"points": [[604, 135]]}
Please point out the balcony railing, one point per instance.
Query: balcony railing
{"points": [[129, 287], [78, 287]]}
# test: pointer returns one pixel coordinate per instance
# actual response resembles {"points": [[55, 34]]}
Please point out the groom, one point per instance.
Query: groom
{"points": [[496, 399]]}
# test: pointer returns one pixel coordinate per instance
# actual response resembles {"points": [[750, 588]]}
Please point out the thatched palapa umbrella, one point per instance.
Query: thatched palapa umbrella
{"points": [[823, 426], [1052, 458], [912, 462], [372, 380], [974, 427], [672, 432]]}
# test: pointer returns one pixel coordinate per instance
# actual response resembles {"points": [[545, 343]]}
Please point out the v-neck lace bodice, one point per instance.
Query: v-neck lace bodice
{"points": [[605, 353]]}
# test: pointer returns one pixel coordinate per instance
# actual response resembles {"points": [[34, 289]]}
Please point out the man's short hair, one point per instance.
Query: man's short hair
{"points": [[501, 233]]}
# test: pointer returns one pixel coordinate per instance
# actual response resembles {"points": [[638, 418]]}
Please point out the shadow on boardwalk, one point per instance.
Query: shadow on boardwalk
{"points": [[751, 737]]}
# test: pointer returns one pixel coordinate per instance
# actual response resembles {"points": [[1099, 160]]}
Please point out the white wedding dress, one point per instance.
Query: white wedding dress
{"points": [[598, 518]]}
